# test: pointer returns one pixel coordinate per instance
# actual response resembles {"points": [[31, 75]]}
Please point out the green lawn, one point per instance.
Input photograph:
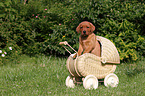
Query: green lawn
{"points": [[45, 76]]}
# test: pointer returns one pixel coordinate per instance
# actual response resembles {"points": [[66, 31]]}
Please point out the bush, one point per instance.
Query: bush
{"points": [[38, 27], [9, 54]]}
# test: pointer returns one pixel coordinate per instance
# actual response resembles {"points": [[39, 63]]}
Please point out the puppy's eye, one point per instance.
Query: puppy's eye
{"points": [[88, 27], [81, 27]]}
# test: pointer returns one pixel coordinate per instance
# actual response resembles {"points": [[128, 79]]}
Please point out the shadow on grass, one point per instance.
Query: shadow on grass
{"points": [[134, 69]]}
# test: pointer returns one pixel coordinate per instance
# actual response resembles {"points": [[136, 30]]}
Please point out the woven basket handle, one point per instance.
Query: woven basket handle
{"points": [[66, 43], [63, 43]]}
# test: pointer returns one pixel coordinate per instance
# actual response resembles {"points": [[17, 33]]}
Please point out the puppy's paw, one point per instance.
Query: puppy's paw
{"points": [[74, 56]]}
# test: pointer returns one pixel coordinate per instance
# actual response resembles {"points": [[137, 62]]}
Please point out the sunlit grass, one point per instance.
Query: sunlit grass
{"points": [[45, 75]]}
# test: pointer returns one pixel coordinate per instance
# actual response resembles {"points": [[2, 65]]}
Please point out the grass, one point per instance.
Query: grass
{"points": [[45, 76]]}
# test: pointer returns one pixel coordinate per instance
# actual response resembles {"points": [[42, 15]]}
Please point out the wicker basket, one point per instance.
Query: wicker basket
{"points": [[109, 53], [90, 64]]}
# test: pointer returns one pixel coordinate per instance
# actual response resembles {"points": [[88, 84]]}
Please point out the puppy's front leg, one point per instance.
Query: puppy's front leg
{"points": [[79, 51]]}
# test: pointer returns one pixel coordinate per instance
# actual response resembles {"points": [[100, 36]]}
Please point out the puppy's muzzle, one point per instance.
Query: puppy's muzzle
{"points": [[84, 32]]}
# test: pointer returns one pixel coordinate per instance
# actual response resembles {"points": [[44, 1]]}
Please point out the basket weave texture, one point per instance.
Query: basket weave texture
{"points": [[109, 52], [90, 64]]}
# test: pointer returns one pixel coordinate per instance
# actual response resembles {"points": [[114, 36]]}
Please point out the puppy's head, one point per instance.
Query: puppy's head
{"points": [[86, 28]]}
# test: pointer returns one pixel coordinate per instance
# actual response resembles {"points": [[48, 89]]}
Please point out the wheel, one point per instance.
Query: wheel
{"points": [[111, 80], [69, 82], [90, 82]]}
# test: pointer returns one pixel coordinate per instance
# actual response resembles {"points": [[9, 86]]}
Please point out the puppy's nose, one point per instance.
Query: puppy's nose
{"points": [[84, 32]]}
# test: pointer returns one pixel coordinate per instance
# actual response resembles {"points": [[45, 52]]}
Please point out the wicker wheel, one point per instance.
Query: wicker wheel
{"points": [[111, 80], [69, 82], [90, 82]]}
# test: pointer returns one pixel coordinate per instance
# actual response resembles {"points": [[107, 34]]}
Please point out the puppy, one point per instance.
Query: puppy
{"points": [[87, 40]]}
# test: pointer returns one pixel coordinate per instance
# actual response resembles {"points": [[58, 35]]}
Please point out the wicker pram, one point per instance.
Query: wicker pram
{"points": [[91, 67]]}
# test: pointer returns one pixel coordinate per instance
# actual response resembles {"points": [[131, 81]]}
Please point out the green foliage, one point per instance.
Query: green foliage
{"points": [[38, 27], [9, 54], [125, 37]]}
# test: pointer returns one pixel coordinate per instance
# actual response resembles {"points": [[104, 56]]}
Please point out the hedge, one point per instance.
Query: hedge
{"points": [[38, 27]]}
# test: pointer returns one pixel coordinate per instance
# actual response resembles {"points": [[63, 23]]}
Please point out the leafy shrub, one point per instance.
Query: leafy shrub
{"points": [[38, 27], [125, 37], [9, 54]]}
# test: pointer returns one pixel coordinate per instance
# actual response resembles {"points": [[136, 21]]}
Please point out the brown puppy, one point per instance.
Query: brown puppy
{"points": [[87, 40]]}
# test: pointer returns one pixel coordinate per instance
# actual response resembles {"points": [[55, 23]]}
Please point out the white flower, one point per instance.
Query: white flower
{"points": [[3, 55], [10, 48], [0, 51], [5, 52]]}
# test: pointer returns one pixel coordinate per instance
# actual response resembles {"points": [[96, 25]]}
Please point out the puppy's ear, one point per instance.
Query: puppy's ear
{"points": [[78, 28], [92, 27]]}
